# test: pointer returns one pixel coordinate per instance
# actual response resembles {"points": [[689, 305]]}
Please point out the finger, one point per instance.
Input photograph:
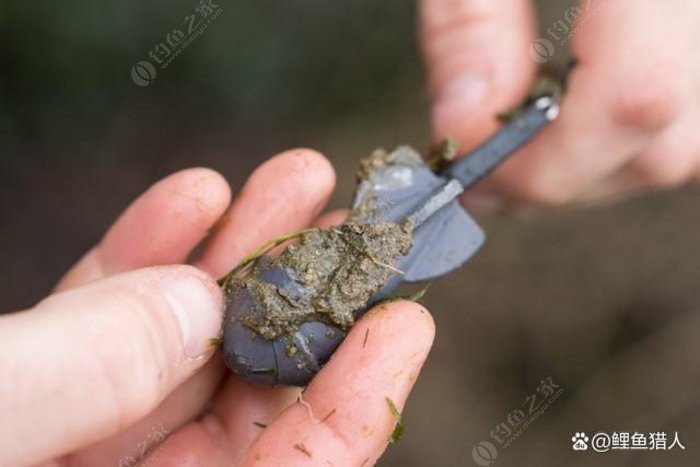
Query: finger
{"points": [[617, 102], [161, 227], [215, 440], [283, 195], [197, 444], [617, 187], [88, 362], [345, 418], [478, 65], [674, 157], [243, 407], [179, 407], [670, 160]]}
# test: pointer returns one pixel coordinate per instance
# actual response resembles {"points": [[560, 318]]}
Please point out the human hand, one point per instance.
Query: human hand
{"points": [[119, 358], [628, 120]]}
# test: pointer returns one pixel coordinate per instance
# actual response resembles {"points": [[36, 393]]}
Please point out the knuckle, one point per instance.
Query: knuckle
{"points": [[647, 102]]}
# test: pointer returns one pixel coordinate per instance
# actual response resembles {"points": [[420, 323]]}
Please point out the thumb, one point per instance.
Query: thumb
{"points": [[85, 363], [478, 63]]}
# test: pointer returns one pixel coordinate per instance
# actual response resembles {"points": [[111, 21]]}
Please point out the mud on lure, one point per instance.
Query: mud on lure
{"points": [[286, 314]]}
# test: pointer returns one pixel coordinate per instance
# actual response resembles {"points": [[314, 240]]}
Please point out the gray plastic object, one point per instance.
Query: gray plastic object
{"points": [[444, 238]]}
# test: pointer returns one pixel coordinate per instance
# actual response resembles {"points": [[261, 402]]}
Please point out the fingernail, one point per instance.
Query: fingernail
{"points": [[458, 101], [197, 309]]}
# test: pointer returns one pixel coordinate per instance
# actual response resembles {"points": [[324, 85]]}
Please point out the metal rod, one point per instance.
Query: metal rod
{"points": [[476, 165], [437, 201]]}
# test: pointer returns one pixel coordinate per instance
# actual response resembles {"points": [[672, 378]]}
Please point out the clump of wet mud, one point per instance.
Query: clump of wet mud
{"points": [[328, 274], [333, 272]]}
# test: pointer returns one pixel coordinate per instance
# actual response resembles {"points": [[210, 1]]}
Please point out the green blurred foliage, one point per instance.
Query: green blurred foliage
{"points": [[67, 65]]}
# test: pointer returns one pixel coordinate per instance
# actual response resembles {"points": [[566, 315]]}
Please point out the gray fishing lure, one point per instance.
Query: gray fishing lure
{"points": [[286, 315]]}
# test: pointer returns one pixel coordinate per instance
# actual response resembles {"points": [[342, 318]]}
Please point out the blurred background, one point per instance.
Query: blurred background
{"points": [[602, 300]]}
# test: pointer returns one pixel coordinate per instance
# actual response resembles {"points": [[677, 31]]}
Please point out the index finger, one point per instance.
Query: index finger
{"points": [[161, 227]]}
